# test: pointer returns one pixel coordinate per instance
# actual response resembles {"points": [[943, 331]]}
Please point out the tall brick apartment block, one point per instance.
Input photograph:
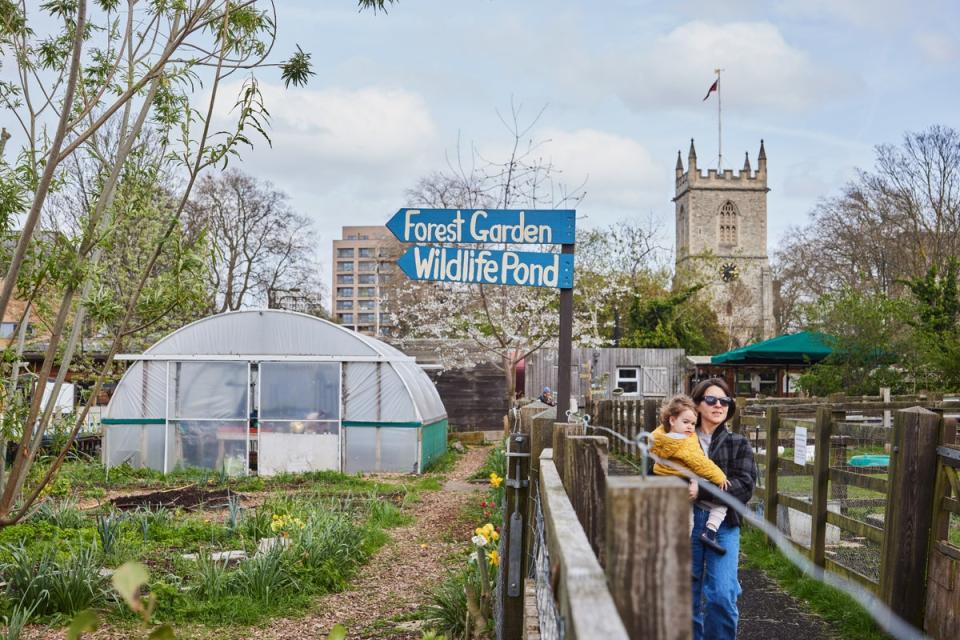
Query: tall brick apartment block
{"points": [[721, 222]]}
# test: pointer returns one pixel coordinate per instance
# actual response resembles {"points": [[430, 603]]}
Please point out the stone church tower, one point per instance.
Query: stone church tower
{"points": [[722, 242]]}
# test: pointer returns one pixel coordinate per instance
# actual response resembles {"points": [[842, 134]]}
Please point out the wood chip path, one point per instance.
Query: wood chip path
{"points": [[397, 580]]}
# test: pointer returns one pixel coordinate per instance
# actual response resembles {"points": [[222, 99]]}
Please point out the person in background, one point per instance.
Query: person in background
{"points": [[715, 584], [547, 397]]}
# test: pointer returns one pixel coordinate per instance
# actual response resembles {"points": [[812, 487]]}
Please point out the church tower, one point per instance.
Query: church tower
{"points": [[722, 243]]}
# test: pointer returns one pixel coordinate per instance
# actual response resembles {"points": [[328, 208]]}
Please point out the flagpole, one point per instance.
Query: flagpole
{"points": [[719, 126]]}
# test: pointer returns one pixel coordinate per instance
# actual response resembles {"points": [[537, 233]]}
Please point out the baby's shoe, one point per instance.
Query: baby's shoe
{"points": [[709, 538]]}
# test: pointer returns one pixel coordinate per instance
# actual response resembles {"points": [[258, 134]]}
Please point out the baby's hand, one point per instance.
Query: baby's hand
{"points": [[725, 485]]}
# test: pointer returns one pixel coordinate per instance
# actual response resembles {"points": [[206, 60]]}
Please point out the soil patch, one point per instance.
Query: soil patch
{"points": [[190, 498]]}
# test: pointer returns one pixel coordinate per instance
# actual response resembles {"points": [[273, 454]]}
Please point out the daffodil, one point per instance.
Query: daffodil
{"points": [[479, 540], [493, 557], [495, 480]]}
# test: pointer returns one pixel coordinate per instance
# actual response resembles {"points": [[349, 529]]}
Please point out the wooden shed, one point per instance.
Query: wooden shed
{"points": [[610, 372]]}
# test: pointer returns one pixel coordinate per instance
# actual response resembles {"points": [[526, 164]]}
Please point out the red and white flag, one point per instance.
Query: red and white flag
{"points": [[713, 87]]}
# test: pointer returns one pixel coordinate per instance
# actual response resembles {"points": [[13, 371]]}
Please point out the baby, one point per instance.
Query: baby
{"points": [[676, 440]]}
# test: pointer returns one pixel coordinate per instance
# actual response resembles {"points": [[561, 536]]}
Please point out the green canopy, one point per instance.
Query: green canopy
{"points": [[796, 348]]}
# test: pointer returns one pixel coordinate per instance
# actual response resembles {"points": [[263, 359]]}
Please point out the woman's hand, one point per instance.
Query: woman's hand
{"points": [[694, 490], [725, 485]]}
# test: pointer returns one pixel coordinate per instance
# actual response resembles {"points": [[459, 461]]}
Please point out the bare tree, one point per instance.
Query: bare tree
{"points": [[887, 225], [257, 242]]}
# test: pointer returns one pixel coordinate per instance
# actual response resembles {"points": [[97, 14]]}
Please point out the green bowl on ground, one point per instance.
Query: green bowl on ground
{"points": [[870, 460]]}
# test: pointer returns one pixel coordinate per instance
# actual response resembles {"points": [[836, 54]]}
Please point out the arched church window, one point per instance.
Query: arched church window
{"points": [[729, 308], [728, 223]]}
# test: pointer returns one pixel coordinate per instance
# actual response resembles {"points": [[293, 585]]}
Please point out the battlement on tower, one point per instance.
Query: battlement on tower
{"points": [[745, 178]]}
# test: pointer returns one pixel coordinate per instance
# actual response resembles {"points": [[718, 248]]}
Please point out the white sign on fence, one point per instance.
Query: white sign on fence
{"points": [[800, 445]]}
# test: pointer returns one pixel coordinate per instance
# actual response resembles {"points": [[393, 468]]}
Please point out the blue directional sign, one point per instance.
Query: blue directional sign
{"points": [[496, 226], [487, 266]]}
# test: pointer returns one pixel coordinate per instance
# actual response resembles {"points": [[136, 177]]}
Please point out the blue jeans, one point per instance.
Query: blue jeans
{"points": [[715, 584]]}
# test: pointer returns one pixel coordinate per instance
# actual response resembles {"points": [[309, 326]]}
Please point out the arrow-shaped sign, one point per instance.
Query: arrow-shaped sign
{"points": [[487, 266], [495, 226]]}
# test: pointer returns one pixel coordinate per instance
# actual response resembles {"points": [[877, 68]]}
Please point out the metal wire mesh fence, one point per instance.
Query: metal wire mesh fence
{"points": [[551, 622]]}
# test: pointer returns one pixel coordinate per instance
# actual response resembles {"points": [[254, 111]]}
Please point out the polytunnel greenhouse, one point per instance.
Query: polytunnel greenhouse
{"points": [[273, 391]]}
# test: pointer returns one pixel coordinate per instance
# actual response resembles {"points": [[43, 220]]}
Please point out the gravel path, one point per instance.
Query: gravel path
{"points": [[767, 612]]}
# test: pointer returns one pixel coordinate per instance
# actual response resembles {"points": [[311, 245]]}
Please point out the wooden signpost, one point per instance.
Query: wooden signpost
{"points": [[442, 251], [451, 261]]}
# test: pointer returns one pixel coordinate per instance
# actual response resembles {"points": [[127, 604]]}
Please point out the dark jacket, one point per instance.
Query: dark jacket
{"points": [[732, 453]]}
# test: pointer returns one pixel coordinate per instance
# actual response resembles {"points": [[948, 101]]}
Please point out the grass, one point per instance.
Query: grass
{"points": [[445, 463], [843, 613]]}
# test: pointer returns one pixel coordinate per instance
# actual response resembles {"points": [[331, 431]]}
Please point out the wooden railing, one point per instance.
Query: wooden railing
{"points": [[615, 543]]}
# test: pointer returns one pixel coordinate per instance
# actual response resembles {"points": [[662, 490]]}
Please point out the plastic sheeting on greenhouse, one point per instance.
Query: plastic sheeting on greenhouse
{"points": [[273, 391]]}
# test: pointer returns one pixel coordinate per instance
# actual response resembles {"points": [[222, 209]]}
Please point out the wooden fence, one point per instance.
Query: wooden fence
{"points": [[618, 546], [886, 527]]}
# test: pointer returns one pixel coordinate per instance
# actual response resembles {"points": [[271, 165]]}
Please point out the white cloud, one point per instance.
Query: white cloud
{"points": [[366, 126], [362, 146], [761, 69], [938, 47], [619, 171]]}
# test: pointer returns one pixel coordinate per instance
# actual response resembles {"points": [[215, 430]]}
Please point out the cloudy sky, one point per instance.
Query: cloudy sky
{"points": [[822, 81]]}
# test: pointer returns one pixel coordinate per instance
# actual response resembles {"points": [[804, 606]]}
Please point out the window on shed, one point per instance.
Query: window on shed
{"points": [[728, 223], [7, 329], [628, 379]]}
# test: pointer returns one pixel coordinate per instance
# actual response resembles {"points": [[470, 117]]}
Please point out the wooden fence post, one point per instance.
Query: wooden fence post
{"points": [[648, 555], [651, 417], [838, 459], [586, 465], [909, 513], [821, 475], [541, 437], [770, 473], [561, 430], [515, 531]]}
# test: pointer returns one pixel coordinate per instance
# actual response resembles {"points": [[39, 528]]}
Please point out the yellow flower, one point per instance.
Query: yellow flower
{"points": [[493, 557], [495, 480], [494, 535]]}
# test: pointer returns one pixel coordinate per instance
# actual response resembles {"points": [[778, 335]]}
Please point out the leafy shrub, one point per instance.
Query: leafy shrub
{"points": [[255, 523], [234, 511], [213, 579], [61, 513], [55, 585], [108, 531], [385, 514], [447, 609], [148, 518], [330, 548], [265, 576], [17, 620]]}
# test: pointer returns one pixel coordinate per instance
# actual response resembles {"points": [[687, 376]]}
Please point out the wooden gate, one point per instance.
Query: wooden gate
{"points": [[942, 619]]}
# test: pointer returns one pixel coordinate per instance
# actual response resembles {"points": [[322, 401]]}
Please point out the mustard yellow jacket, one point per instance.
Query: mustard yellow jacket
{"points": [[685, 452]]}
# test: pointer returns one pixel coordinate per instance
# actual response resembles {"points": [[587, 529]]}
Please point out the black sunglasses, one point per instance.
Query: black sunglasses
{"points": [[713, 400]]}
